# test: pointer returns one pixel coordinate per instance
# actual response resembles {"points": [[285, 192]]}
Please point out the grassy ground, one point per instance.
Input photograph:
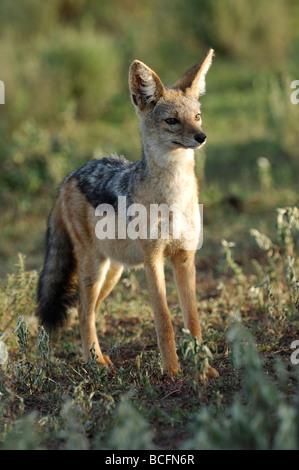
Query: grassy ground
{"points": [[52, 399]]}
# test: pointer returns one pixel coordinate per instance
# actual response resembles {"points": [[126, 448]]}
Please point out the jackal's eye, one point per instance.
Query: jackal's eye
{"points": [[198, 117], [171, 121]]}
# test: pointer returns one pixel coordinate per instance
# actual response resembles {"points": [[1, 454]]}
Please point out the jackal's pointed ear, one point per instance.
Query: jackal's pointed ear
{"points": [[193, 82], [145, 85]]}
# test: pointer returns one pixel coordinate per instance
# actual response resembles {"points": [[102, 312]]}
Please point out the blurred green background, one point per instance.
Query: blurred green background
{"points": [[65, 67]]}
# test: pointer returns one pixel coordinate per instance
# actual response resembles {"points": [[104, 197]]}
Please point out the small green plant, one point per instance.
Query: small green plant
{"points": [[292, 282], [24, 366], [23, 434], [22, 332], [17, 295], [287, 223], [281, 258], [72, 433], [197, 356], [31, 371], [131, 431], [42, 348], [145, 373], [43, 352], [121, 374], [98, 374], [230, 263], [263, 242], [272, 304]]}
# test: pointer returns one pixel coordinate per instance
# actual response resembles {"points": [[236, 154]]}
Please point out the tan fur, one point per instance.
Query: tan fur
{"points": [[170, 180]]}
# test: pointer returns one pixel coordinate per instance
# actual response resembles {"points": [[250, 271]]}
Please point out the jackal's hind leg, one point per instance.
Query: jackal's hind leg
{"points": [[92, 275]]}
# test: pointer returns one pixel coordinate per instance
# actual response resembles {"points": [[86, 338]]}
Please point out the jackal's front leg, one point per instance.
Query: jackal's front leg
{"points": [[185, 278], [154, 269]]}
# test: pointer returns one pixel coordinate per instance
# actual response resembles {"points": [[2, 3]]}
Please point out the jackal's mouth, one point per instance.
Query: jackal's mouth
{"points": [[179, 144]]}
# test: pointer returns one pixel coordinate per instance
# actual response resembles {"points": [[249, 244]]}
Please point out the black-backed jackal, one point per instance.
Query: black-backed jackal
{"points": [[82, 268]]}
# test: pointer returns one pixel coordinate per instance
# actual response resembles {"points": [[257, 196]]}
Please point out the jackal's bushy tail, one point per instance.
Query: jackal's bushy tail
{"points": [[57, 287]]}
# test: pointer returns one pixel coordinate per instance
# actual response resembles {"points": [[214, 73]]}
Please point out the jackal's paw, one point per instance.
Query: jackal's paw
{"points": [[104, 361], [212, 373], [107, 361], [171, 370]]}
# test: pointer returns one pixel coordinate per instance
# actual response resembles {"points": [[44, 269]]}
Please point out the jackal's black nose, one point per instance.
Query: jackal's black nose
{"points": [[200, 138]]}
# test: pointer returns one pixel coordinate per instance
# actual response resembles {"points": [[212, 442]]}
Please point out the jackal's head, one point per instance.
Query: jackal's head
{"points": [[170, 117]]}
